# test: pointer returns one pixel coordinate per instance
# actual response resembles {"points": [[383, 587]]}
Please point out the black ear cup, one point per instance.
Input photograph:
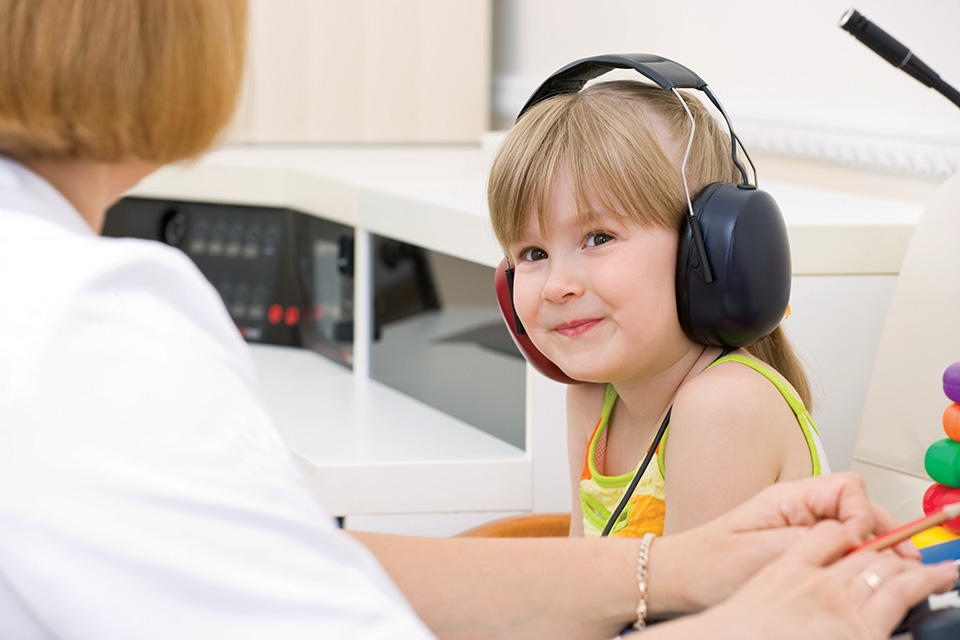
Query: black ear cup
{"points": [[748, 253]]}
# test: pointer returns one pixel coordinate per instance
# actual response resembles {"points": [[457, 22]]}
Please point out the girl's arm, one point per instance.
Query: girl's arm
{"points": [[731, 434], [584, 403]]}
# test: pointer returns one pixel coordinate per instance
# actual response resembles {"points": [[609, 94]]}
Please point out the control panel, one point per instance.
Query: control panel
{"points": [[285, 277]]}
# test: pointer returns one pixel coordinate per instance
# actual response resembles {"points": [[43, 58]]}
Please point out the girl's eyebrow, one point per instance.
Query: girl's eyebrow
{"points": [[602, 218], [517, 245]]}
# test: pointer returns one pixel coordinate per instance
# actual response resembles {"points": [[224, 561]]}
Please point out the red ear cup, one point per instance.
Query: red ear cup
{"points": [[539, 361]]}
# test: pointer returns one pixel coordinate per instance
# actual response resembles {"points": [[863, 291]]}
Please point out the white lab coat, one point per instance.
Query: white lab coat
{"points": [[144, 492]]}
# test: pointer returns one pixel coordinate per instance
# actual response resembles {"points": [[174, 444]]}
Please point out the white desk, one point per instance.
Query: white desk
{"points": [[435, 197], [374, 451]]}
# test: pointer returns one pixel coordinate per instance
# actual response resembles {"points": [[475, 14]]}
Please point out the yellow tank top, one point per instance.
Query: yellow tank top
{"points": [[645, 509]]}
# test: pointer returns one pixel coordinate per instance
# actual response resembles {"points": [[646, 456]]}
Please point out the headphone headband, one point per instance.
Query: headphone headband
{"points": [[664, 72], [667, 74]]}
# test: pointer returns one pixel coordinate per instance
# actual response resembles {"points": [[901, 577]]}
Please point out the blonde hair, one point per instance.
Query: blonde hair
{"points": [[116, 80], [621, 144]]}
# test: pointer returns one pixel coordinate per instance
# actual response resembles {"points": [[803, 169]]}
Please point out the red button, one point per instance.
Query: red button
{"points": [[275, 314], [292, 316]]}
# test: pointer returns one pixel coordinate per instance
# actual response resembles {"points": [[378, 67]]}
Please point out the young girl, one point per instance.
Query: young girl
{"points": [[587, 200]]}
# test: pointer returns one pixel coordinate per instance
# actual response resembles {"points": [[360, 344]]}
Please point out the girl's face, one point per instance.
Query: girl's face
{"points": [[598, 300]]}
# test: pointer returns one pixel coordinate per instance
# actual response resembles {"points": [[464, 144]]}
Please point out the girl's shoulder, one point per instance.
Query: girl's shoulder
{"points": [[725, 408], [737, 387]]}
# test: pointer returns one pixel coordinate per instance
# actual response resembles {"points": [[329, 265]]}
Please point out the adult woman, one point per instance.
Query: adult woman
{"points": [[143, 490]]}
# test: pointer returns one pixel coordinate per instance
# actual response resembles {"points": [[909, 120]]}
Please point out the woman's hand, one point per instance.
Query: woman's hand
{"points": [[814, 591], [700, 567]]}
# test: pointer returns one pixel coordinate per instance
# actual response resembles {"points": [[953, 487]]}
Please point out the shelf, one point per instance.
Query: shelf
{"points": [[349, 432]]}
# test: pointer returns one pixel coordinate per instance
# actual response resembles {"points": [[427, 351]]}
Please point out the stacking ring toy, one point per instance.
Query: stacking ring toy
{"points": [[940, 495], [942, 462], [951, 382]]}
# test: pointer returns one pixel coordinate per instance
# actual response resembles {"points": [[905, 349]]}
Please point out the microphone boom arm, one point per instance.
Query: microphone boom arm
{"points": [[891, 50]]}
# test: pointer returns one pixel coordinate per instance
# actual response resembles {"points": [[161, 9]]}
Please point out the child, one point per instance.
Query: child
{"points": [[587, 200]]}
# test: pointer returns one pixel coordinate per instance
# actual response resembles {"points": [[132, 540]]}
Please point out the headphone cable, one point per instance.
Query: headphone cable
{"points": [[639, 474], [646, 462]]}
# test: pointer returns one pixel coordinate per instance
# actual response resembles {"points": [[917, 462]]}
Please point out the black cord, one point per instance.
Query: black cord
{"points": [[639, 474], [734, 139], [646, 462]]}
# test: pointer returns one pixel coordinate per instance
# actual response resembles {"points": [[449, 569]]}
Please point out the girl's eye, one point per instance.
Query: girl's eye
{"points": [[533, 254], [597, 238]]}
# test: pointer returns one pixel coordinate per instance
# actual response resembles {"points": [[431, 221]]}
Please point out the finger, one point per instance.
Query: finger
{"points": [[883, 519], [867, 583], [871, 571], [826, 542], [884, 609], [770, 543], [840, 496], [844, 497], [907, 549], [885, 522], [859, 514]]}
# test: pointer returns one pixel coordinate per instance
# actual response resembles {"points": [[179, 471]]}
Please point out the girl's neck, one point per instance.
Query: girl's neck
{"points": [[644, 402]]}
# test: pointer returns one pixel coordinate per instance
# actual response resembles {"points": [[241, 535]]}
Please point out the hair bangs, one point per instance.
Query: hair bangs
{"points": [[618, 162]]}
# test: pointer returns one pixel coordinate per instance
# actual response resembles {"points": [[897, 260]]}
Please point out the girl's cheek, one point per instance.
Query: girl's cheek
{"points": [[525, 302]]}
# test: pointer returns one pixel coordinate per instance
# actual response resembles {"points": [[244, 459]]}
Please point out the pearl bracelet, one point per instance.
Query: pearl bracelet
{"points": [[642, 558]]}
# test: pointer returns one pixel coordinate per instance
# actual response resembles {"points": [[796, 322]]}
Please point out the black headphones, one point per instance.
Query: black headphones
{"points": [[733, 261]]}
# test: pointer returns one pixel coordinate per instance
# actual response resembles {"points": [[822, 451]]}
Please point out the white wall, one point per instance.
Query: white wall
{"points": [[795, 84], [792, 80]]}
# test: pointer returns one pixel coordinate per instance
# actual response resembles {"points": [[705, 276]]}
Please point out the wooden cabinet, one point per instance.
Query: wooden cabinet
{"points": [[339, 71]]}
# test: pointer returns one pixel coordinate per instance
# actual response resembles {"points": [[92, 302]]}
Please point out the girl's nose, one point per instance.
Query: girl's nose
{"points": [[563, 281]]}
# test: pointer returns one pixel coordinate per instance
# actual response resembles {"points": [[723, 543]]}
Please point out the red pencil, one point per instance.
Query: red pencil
{"points": [[903, 532]]}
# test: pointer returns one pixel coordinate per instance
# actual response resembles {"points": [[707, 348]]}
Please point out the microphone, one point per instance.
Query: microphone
{"points": [[891, 50]]}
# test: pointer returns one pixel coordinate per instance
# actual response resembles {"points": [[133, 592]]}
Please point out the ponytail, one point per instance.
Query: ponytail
{"points": [[776, 351]]}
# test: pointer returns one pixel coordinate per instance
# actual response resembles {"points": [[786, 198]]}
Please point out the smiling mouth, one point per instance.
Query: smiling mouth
{"points": [[577, 327]]}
